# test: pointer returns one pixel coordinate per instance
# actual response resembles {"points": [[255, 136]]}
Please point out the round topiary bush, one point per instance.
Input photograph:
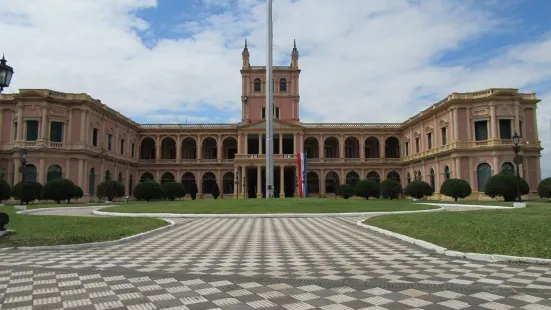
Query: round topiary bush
{"points": [[193, 191], [544, 188], [78, 192], [345, 191], [367, 188], [59, 190], [110, 189], [215, 191], [391, 189], [148, 190], [5, 190], [456, 188], [30, 190], [505, 185], [418, 189], [173, 190]]}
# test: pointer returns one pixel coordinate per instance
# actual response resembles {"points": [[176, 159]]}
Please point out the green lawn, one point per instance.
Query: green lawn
{"points": [[258, 206], [37, 230], [517, 232]]}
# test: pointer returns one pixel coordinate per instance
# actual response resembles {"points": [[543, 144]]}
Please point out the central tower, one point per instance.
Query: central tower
{"points": [[285, 85]]}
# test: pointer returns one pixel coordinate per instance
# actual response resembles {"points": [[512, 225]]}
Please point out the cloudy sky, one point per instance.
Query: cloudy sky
{"points": [[169, 61]]}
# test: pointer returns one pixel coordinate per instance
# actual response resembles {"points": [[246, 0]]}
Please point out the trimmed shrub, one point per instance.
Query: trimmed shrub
{"points": [[215, 191], [78, 192], [148, 190], [193, 191], [30, 189], [5, 190], [173, 190], [505, 185], [456, 188], [110, 189], [544, 188], [391, 189], [345, 191], [418, 189], [59, 190], [367, 188]]}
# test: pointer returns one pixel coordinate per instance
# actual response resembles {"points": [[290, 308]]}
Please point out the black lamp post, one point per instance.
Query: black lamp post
{"points": [[23, 158], [237, 182], [517, 160], [6, 72], [245, 190]]}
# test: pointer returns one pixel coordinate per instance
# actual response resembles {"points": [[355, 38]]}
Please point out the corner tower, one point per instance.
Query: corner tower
{"points": [[285, 85]]}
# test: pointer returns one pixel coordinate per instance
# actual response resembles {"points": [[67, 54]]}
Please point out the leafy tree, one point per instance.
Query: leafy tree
{"points": [[59, 190], [215, 191], [148, 190], [367, 188], [110, 189], [418, 189], [5, 190], [345, 191], [173, 190], [456, 188], [505, 185], [544, 188], [30, 190], [193, 191], [391, 188], [78, 192]]}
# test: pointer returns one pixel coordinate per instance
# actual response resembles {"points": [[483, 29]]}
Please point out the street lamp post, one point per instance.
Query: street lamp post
{"points": [[517, 160], [6, 72], [23, 159]]}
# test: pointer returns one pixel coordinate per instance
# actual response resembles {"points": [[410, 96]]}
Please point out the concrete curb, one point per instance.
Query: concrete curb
{"points": [[467, 206], [456, 254], [31, 211], [94, 244], [274, 215]]}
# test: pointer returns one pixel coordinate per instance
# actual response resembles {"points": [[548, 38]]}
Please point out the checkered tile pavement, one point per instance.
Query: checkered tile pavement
{"points": [[292, 248], [68, 289]]}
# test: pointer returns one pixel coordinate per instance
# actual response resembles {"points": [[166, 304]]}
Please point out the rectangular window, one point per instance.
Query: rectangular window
{"points": [[109, 142], [481, 130], [95, 133], [417, 145], [444, 135], [276, 113], [56, 131], [407, 148], [133, 149], [122, 146], [429, 140], [32, 131], [505, 129]]}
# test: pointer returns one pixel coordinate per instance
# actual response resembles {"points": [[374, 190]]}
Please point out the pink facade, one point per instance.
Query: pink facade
{"points": [[465, 135]]}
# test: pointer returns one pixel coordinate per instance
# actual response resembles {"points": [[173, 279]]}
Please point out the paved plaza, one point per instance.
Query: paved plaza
{"points": [[265, 263]]}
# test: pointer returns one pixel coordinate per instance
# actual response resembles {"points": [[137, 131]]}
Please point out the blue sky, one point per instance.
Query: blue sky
{"points": [[169, 61]]}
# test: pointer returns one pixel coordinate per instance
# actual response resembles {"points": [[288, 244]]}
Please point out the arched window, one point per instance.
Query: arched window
{"points": [[257, 85], [54, 172], [374, 176], [92, 182], [146, 176], [447, 172], [283, 85], [432, 179], [107, 176], [30, 173], [483, 174], [507, 167], [393, 175], [409, 177]]}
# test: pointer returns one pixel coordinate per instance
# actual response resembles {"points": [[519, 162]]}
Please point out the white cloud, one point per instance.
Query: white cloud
{"points": [[357, 54]]}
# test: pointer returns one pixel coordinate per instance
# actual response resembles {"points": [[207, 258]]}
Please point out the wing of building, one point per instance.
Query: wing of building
{"points": [[465, 135]]}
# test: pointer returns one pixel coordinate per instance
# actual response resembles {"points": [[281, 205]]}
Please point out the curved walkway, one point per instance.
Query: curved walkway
{"points": [[251, 263]]}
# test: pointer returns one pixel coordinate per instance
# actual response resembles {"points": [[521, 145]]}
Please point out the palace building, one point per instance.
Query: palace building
{"points": [[465, 135]]}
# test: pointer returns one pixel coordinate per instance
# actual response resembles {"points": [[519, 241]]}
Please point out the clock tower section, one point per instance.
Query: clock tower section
{"points": [[285, 85]]}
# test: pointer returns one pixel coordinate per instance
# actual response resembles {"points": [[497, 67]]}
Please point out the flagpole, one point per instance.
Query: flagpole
{"points": [[269, 104]]}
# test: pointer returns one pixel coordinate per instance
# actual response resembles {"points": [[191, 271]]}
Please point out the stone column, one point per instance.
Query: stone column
{"points": [[281, 181], [67, 170], [239, 144], [361, 145], [158, 148], [259, 144], [200, 184], [516, 119], [44, 124], [471, 171], [69, 128], [295, 141], [219, 149], [455, 125], [258, 181], [497, 168], [83, 124], [280, 143], [437, 177], [235, 187], [80, 177], [178, 148], [246, 144], [242, 181], [42, 171], [321, 144], [493, 122], [16, 173], [322, 183], [301, 142], [20, 124], [341, 147], [457, 168], [199, 148]]}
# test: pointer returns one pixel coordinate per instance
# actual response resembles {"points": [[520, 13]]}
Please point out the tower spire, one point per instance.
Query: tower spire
{"points": [[246, 48], [295, 45]]}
